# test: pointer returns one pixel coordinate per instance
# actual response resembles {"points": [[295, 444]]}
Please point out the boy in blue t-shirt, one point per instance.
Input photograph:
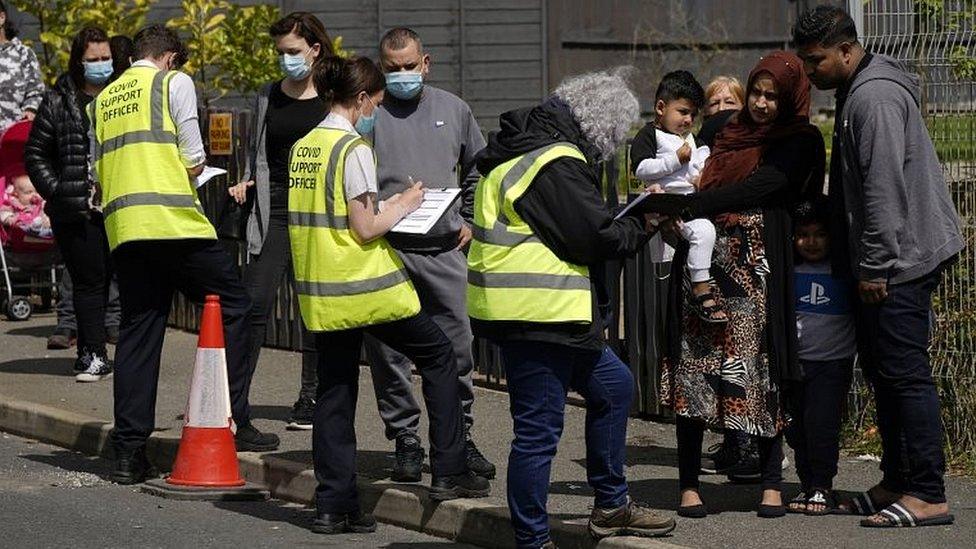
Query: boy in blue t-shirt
{"points": [[825, 329]]}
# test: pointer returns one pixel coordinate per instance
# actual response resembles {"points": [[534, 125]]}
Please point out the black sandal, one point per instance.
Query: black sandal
{"points": [[707, 313], [821, 497], [799, 499]]}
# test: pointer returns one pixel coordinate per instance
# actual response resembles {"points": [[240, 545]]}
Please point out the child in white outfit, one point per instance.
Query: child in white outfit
{"points": [[676, 168]]}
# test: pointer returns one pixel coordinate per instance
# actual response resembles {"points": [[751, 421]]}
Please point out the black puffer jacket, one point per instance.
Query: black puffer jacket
{"points": [[56, 153]]}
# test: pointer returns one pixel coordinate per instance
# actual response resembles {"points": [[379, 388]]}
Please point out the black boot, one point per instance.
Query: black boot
{"points": [[409, 459], [131, 466], [340, 523], [477, 463], [466, 485], [249, 439]]}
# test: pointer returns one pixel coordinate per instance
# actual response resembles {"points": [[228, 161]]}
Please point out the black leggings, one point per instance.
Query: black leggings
{"points": [[84, 248], [262, 277], [690, 435]]}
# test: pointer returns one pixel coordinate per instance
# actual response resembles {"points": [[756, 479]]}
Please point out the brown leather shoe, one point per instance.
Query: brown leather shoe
{"points": [[629, 520]]}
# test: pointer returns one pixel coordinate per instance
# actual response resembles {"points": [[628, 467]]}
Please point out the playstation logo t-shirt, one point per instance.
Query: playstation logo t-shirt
{"points": [[824, 315]]}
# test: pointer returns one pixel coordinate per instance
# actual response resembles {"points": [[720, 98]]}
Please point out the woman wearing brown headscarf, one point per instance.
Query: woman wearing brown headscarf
{"points": [[734, 376]]}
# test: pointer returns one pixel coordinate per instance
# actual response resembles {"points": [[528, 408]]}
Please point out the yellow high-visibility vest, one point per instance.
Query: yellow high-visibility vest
{"points": [[146, 192], [341, 283], [511, 274]]}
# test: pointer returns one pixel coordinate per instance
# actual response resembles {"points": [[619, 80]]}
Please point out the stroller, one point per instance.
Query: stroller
{"points": [[28, 255]]}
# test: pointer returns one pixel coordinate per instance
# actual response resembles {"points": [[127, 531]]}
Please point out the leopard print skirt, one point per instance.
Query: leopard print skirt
{"points": [[723, 377]]}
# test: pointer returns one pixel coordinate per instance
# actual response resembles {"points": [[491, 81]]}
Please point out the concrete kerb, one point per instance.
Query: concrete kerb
{"points": [[469, 521]]}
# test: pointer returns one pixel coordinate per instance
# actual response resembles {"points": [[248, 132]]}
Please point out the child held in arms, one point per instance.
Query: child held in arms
{"points": [[667, 159]]}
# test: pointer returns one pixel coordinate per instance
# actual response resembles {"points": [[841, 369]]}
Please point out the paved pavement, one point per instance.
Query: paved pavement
{"points": [[30, 373], [51, 497]]}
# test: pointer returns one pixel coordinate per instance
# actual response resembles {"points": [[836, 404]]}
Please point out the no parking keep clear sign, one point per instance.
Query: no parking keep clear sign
{"points": [[221, 128]]}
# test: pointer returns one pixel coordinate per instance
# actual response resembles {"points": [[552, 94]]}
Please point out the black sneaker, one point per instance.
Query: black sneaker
{"points": [[466, 485], [302, 414], [409, 459], [746, 471], [132, 467], [477, 463], [340, 523], [81, 363], [249, 439], [719, 458], [98, 367]]}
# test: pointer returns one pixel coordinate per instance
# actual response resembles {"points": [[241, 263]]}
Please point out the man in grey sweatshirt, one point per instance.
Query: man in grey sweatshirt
{"points": [[425, 134], [901, 229]]}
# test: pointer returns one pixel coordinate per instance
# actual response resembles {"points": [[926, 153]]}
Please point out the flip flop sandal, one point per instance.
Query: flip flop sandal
{"points": [[897, 515], [707, 312], [800, 499], [820, 497], [861, 505]]}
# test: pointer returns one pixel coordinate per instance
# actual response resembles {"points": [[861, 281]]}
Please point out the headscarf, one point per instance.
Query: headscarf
{"points": [[739, 146]]}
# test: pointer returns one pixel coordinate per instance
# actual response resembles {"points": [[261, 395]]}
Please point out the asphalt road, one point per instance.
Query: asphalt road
{"points": [[51, 497]]}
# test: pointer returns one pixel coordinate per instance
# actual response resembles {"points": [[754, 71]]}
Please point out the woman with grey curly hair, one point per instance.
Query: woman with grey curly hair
{"points": [[537, 287]]}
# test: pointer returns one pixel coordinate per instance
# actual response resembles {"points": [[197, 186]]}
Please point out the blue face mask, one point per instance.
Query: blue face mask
{"points": [[97, 72], [404, 84], [365, 123], [294, 66]]}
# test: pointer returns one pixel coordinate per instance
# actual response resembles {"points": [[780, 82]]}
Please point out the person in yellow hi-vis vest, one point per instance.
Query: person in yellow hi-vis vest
{"points": [[350, 282], [538, 287], [146, 150]]}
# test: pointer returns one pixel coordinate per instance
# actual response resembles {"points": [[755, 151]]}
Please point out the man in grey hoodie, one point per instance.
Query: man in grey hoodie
{"points": [[896, 230]]}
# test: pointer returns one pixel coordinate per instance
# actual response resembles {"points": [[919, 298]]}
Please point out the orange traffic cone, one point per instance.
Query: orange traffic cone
{"points": [[206, 462]]}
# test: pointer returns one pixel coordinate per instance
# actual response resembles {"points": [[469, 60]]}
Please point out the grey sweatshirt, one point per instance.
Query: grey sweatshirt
{"points": [[902, 222], [432, 139]]}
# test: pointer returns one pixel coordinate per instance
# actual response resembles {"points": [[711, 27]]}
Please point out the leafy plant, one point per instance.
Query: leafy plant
{"points": [[206, 42], [60, 20], [250, 60]]}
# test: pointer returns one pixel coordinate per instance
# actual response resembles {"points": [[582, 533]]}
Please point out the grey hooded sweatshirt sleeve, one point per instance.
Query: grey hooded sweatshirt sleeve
{"points": [[902, 221]]}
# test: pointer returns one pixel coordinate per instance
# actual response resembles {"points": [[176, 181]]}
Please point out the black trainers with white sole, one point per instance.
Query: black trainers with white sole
{"points": [[97, 368], [302, 414]]}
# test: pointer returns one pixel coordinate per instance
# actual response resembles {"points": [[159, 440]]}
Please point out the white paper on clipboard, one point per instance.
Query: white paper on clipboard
{"points": [[209, 172], [436, 202]]}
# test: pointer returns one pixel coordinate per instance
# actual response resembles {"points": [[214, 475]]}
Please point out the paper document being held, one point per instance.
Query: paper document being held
{"points": [[209, 172], [436, 202]]}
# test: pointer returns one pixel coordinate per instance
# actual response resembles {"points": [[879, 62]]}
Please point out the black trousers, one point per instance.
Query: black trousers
{"points": [[691, 432], [149, 272], [263, 276], [893, 342], [84, 248], [814, 434], [334, 432]]}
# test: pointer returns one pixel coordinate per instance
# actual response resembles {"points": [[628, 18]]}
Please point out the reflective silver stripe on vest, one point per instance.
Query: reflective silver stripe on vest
{"points": [[151, 199], [156, 101], [305, 219], [528, 280], [331, 171], [335, 289], [517, 172], [499, 236], [131, 138]]}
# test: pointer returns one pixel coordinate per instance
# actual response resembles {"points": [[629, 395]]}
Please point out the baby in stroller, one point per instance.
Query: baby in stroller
{"points": [[22, 209]]}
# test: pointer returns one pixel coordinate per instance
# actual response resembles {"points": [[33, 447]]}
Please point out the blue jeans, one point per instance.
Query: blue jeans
{"points": [[539, 375]]}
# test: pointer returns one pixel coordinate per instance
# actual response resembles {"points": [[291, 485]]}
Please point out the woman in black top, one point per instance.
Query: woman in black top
{"points": [[57, 161], [735, 375], [285, 111]]}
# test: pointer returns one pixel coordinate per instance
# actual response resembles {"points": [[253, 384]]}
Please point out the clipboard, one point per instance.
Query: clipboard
{"points": [[671, 205], [436, 203]]}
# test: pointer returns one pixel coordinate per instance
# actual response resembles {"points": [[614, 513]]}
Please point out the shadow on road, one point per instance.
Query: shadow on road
{"points": [[44, 366], [33, 331]]}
